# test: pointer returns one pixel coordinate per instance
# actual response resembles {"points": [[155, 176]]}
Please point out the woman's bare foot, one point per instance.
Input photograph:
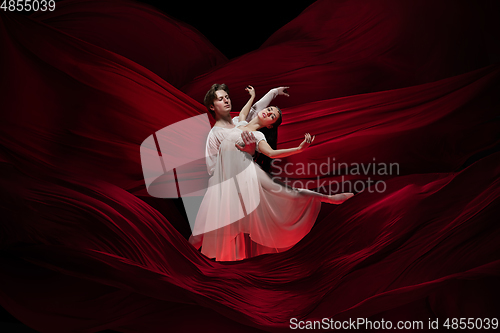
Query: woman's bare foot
{"points": [[337, 199]]}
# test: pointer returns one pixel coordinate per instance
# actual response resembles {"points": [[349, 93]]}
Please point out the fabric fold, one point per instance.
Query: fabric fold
{"points": [[84, 248]]}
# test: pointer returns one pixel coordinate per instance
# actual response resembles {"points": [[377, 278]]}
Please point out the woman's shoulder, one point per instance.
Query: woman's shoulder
{"points": [[259, 135], [237, 122]]}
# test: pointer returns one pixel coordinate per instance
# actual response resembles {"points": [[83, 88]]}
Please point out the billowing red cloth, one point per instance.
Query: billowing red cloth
{"points": [[341, 48], [84, 248], [171, 49]]}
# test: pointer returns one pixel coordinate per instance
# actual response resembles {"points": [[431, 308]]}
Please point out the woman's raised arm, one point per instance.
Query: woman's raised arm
{"points": [[246, 108]]}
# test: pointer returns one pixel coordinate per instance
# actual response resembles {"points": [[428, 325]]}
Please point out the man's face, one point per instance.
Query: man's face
{"points": [[222, 103]]}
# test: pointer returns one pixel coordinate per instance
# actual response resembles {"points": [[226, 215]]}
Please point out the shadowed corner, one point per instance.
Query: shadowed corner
{"points": [[9, 323]]}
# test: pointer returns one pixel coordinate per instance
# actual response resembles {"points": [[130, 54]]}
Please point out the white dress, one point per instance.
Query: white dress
{"points": [[244, 213]]}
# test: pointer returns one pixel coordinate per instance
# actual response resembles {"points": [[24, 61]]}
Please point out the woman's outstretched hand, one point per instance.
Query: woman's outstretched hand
{"points": [[307, 141], [251, 90], [283, 91]]}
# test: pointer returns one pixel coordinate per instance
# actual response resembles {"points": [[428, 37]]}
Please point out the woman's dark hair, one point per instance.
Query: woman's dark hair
{"points": [[271, 135], [211, 95]]}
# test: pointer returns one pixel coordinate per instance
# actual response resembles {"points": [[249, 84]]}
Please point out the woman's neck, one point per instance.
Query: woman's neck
{"points": [[254, 125]]}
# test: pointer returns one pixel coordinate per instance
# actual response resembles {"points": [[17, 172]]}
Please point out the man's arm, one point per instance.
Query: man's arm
{"points": [[211, 151]]}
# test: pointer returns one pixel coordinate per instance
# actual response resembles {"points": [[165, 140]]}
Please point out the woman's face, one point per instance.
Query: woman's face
{"points": [[268, 116]]}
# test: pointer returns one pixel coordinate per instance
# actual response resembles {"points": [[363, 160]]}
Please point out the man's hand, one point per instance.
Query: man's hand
{"points": [[249, 140], [283, 91]]}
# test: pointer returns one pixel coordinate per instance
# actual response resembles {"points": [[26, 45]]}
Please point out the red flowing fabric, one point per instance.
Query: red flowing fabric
{"points": [[84, 248], [341, 48], [171, 49]]}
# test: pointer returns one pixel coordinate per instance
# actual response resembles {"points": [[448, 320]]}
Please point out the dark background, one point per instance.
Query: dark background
{"points": [[235, 28]]}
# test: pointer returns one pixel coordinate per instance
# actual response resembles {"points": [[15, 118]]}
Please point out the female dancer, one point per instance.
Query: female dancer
{"points": [[245, 213]]}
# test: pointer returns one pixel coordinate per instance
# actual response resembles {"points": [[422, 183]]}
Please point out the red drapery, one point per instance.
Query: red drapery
{"points": [[84, 248]]}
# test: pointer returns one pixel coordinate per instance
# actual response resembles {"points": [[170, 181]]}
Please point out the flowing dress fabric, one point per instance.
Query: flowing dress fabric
{"points": [[243, 201], [85, 248]]}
